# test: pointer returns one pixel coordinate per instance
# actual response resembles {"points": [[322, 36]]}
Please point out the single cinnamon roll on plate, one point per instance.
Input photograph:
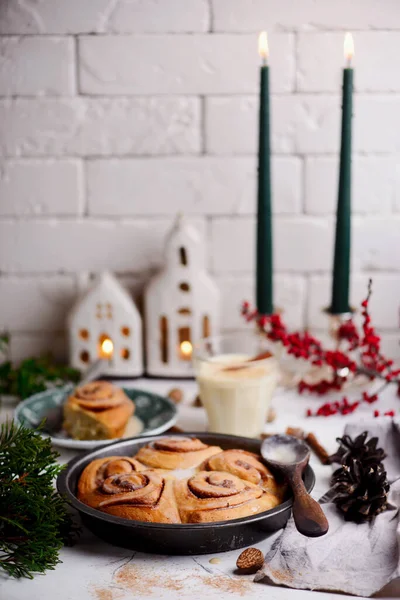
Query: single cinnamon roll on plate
{"points": [[176, 453], [97, 411], [219, 496]]}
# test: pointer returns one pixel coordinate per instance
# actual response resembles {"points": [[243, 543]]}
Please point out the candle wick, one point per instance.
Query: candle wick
{"points": [[264, 61]]}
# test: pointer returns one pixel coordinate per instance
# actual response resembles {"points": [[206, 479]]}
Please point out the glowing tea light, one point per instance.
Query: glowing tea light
{"points": [[107, 348], [186, 350]]}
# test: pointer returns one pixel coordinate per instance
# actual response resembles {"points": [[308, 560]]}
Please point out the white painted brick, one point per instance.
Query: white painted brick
{"points": [[301, 245], [242, 15], [377, 243], [202, 185], [321, 61], [143, 16], [289, 294], [36, 66], [46, 187], [36, 304], [68, 246], [385, 301], [375, 185], [318, 124], [181, 64], [376, 123], [302, 123], [299, 123], [101, 126], [27, 345], [53, 16], [232, 124], [75, 16], [390, 345]]}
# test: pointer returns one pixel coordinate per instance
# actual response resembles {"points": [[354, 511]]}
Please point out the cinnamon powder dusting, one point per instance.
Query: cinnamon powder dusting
{"points": [[103, 594], [226, 584], [143, 583]]}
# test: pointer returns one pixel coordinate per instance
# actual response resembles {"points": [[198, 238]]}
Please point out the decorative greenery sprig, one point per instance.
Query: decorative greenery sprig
{"points": [[34, 521], [32, 375]]}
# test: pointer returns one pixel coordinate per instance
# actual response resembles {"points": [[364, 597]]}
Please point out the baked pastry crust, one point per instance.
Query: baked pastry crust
{"points": [[138, 495], [98, 470], [219, 496], [176, 453], [230, 484], [97, 411], [247, 466]]}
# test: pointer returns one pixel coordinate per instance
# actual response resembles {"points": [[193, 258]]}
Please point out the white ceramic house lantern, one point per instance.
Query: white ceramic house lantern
{"points": [[105, 323], [181, 305]]}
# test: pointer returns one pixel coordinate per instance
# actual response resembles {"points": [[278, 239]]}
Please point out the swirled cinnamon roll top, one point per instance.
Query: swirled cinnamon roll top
{"points": [[97, 410], [247, 466], [100, 469], [99, 395], [219, 496], [229, 485], [176, 453], [121, 488]]}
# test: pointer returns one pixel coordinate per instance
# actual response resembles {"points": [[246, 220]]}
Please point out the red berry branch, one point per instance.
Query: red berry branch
{"points": [[341, 362]]}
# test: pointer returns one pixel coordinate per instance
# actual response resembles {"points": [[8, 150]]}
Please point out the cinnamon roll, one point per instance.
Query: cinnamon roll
{"points": [[219, 496], [246, 466], [176, 453], [97, 411], [100, 469], [142, 496]]}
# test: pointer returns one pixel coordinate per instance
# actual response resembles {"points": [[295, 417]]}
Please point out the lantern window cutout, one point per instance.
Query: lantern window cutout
{"points": [[164, 339], [105, 323], [176, 300]]}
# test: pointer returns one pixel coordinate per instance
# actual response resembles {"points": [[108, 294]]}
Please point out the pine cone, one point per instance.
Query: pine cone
{"points": [[367, 452], [359, 486]]}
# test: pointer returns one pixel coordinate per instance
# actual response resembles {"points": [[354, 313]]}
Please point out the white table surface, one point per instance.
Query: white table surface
{"points": [[95, 570]]}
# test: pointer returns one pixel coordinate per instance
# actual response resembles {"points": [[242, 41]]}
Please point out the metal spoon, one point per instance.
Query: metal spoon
{"points": [[54, 417], [290, 456]]}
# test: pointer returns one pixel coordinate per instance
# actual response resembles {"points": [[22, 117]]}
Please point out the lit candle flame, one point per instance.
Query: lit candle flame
{"points": [[186, 349], [263, 49], [107, 348], [348, 47]]}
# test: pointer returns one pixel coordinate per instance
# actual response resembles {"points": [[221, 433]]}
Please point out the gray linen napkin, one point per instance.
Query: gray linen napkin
{"points": [[350, 558]]}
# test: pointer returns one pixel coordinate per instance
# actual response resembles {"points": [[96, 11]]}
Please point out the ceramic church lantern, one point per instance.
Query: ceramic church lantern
{"points": [[105, 323], [181, 305]]}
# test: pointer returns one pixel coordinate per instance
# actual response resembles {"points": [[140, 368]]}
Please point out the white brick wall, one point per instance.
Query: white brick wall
{"points": [[114, 116]]}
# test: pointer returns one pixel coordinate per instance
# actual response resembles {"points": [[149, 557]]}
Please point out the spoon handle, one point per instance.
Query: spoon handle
{"points": [[307, 513]]}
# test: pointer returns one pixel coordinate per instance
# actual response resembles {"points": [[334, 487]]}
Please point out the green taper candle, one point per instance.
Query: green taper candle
{"points": [[264, 286], [341, 263]]}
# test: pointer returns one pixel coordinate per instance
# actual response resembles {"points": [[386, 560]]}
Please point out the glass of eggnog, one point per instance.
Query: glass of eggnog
{"points": [[237, 376]]}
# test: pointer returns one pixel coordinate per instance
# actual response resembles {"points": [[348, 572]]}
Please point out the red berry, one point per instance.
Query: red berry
{"points": [[389, 413]]}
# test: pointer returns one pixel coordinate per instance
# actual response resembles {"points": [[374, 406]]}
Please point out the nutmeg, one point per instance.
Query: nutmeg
{"points": [[176, 395], [271, 415], [197, 402], [250, 560]]}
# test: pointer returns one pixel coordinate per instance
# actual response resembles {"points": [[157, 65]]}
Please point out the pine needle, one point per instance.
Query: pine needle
{"points": [[34, 521]]}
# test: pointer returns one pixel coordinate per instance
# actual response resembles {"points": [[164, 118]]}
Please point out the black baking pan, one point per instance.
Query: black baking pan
{"points": [[165, 538]]}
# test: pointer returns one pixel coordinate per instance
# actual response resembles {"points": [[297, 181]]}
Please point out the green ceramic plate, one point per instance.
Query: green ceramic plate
{"points": [[153, 414]]}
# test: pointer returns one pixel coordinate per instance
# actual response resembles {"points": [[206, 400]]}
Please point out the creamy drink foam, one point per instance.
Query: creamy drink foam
{"points": [[236, 393]]}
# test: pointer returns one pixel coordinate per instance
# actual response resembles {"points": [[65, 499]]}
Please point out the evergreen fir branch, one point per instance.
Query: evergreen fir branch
{"points": [[34, 521], [33, 375]]}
